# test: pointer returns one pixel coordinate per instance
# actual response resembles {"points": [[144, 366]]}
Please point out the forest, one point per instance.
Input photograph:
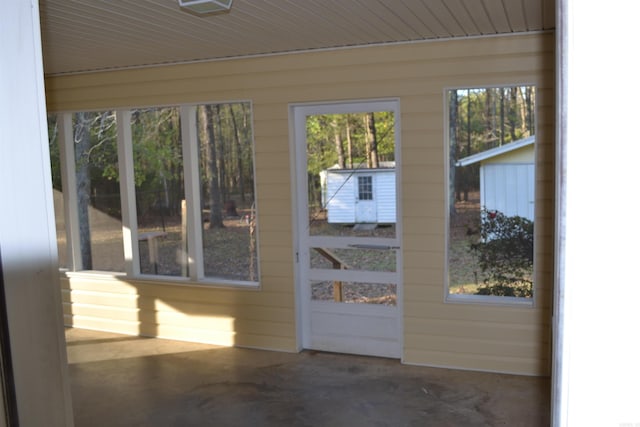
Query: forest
{"points": [[225, 163], [480, 119], [347, 141]]}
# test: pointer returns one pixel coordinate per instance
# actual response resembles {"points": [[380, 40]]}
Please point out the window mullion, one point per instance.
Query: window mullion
{"points": [[192, 191], [127, 194], [69, 189]]}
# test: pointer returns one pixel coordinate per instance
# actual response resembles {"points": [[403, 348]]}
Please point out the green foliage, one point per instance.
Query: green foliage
{"points": [[157, 153], [485, 118], [505, 255], [489, 117], [321, 133]]}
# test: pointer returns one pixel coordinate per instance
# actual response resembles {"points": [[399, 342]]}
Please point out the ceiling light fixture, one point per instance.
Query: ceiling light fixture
{"points": [[202, 7]]}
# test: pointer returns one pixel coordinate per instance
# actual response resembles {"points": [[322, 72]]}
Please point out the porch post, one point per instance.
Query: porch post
{"points": [[27, 226], [596, 374]]}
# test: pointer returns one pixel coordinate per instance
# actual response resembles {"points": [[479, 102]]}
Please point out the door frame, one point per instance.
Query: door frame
{"points": [[338, 107]]}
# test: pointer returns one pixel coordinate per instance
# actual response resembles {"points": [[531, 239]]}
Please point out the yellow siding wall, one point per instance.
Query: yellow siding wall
{"points": [[523, 155], [495, 338]]}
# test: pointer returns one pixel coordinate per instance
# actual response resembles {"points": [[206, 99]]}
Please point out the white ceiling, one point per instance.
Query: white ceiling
{"points": [[89, 35]]}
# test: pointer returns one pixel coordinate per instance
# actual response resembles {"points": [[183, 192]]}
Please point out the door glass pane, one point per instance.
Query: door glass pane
{"points": [[354, 259], [351, 174], [354, 292], [351, 191], [159, 188]]}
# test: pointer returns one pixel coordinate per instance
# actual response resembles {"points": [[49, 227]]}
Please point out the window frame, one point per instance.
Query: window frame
{"points": [[488, 300], [365, 188], [190, 154]]}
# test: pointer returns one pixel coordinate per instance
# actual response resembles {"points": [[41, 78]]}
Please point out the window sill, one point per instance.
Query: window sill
{"points": [[162, 280], [489, 300]]}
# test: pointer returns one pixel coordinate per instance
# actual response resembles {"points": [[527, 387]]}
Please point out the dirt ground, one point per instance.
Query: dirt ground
{"points": [[464, 274]]}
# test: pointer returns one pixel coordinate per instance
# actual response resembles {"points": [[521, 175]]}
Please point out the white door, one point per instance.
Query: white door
{"points": [[349, 275]]}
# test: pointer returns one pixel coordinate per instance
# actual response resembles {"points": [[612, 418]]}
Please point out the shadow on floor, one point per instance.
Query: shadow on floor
{"points": [[116, 381]]}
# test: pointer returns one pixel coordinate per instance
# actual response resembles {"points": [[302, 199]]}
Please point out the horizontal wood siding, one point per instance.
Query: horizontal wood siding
{"points": [[385, 196], [340, 198], [482, 337]]}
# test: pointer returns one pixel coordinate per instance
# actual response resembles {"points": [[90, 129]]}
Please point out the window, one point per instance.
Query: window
{"points": [[162, 192], [491, 187], [159, 190], [225, 147], [365, 188]]}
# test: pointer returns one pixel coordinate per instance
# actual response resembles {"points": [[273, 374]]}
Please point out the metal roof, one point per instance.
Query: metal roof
{"points": [[497, 151]]}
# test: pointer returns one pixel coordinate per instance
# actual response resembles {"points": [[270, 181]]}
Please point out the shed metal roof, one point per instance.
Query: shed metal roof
{"points": [[497, 151]]}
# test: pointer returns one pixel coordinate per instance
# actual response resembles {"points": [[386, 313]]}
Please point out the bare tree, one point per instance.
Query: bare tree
{"points": [[453, 148], [337, 138], [222, 171], [208, 141], [238, 148], [512, 116], [82, 143], [349, 142], [371, 140], [502, 116]]}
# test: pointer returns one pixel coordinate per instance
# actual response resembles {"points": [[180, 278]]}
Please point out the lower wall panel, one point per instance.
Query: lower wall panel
{"points": [[490, 363], [112, 305]]}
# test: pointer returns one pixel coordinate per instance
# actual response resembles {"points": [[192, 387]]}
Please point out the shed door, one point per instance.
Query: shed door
{"points": [[349, 275], [365, 200]]}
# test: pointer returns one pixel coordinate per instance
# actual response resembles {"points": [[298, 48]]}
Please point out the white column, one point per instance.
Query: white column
{"points": [[128, 194], [69, 189], [597, 306], [192, 191], [27, 225]]}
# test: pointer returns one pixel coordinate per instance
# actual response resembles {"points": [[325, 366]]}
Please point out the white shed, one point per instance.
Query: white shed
{"points": [[507, 177], [353, 196]]}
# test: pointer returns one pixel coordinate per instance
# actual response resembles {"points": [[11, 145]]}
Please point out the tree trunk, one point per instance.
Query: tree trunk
{"points": [[371, 143], [222, 170], [238, 147], [530, 102], [489, 124], [453, 144], [82, 139], [349, 143], [513, 112], [465, 175], [207, 139], [338, 143], [523, 111], [501, 116]]}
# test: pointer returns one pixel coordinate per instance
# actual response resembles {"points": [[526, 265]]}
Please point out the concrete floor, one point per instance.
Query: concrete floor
{"points": [[118, 380]]}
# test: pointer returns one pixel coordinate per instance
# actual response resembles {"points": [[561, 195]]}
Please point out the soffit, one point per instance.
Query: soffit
{"points": [[90, 35]]}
